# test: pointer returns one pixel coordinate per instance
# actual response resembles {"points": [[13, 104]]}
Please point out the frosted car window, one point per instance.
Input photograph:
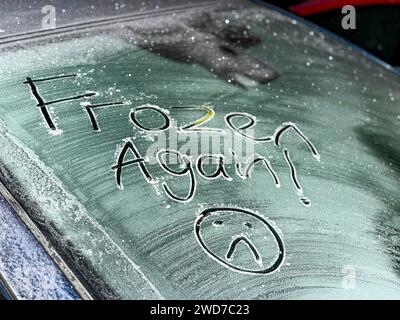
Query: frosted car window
{"points": [[298, 208], [19, 255]]}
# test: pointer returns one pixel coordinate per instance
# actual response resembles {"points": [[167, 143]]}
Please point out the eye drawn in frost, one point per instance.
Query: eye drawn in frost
{"points": [[258, 249], [217, 223], [248, 225]]}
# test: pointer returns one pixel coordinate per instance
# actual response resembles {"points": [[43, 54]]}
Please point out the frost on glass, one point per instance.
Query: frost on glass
{"points": [[24, 263], [316, 217]]}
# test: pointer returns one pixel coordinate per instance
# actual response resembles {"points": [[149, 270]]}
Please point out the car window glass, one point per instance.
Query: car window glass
{"points": [[82, 115]]}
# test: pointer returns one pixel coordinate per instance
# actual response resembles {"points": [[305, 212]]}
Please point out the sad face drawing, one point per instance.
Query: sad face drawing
{"points": [[240, 240]]}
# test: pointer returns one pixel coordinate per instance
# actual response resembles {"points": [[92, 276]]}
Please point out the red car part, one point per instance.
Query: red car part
{"points": [[311, 7]]}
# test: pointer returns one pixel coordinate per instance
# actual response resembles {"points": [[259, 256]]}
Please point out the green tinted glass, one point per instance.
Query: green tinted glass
{"points": [[304, 205]]}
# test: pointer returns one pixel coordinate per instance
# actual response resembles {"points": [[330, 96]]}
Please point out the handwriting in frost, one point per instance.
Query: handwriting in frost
{"points": [[242, 170], [221, 231], [49, 118], [276, 136], [256, 229]]}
